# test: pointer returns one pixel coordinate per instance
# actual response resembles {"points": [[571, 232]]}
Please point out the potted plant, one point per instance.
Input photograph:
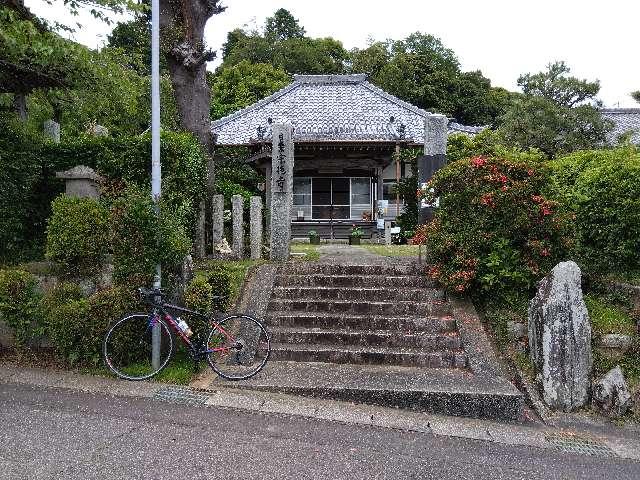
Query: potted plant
{"points": [[314, 238], [354, 236]]}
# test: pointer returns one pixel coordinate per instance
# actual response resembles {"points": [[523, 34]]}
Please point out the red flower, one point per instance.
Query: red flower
{"points": [[537, 198], [546, 210], [478, 162], [530, 172], [545, 252]]}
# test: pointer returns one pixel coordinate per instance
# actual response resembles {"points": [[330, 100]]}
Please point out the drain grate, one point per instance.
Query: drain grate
{"points": [[182, 395], [584, 446]]}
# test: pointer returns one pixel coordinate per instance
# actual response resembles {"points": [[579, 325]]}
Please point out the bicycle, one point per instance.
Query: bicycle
{"points": [[237, 346]]}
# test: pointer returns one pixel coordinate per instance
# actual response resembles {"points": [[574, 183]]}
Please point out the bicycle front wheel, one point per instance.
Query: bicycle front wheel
{"points": [[238, 347], [127, 348]]}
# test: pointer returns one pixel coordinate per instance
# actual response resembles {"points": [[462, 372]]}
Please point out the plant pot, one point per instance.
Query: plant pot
{"points": [[314, 240], [354, 240]]}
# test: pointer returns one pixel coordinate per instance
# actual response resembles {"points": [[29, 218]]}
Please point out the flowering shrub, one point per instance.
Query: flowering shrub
{"points": [[495, 229]]}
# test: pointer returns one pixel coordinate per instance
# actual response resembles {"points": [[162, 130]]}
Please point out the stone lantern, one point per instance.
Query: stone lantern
{"points": [[81, 181]]}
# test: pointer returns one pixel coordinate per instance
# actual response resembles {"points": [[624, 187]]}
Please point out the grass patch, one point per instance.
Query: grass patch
{"points": [[392, 250], [237, 271], [310, 251], [607, 316]]}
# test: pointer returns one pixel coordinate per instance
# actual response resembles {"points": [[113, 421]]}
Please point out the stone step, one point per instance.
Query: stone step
{"points": [[426, 342], [362, 281], [318, 268], [348, 307], [432, 390], [349, 354], [406, 323], [369, 294]]}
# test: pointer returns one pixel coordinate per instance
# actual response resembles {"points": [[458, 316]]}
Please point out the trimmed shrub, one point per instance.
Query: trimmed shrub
{"points": [[76, 234], [19, 304], [199, 294], [495, 231], [602, 188], [76, 326], [141, 239]]}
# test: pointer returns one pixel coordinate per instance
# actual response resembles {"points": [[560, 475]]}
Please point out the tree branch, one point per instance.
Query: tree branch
{"points": [[190, 57]]}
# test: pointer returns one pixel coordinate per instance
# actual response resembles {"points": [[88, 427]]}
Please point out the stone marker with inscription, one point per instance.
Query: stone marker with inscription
{"points": [[281, 191]]}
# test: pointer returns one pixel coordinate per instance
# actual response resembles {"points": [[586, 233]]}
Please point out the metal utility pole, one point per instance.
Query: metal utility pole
{"points": [[155, 153]]}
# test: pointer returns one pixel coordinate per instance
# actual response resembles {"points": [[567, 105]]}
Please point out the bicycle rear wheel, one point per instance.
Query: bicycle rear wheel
{"points": [[238, 347], [127, 348]]}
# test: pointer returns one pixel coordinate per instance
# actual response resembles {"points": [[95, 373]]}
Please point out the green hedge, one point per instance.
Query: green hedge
{"points": [[21, 220], [28, 185], [602, 189]]}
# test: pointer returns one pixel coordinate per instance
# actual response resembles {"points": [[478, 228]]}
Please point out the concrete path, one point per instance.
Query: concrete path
{"points": [[81, 424]]}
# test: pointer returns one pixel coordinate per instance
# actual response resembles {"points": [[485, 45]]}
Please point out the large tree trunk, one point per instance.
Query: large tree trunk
{"points": [[182, 25]]}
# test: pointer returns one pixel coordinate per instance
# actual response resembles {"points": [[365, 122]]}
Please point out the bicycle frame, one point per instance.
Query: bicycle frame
{"points": [[163, 310]]}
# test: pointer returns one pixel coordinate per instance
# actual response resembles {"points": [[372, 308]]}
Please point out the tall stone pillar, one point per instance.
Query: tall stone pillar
{"points": [[237, 211], [217, 220], [281, 191], [434, 158], [255, 226]]}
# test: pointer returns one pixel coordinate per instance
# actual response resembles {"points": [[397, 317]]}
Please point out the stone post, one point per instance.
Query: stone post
{"points": [[281, 191], [217, 220], [560, 338], [434, 158], [81, 181], [237, 218], [387, 232], [200, 233], [52, 130], [255, 224]]}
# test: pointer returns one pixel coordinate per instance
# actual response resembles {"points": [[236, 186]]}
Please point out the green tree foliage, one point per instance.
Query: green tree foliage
{"points": [[636, 95], [237, 86], [557, 113], [422, 71], [283, 26], [33, 57], [283, 44]]}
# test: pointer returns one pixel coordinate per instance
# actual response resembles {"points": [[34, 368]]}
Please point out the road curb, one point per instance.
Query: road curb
{"points": [[507, 433]]}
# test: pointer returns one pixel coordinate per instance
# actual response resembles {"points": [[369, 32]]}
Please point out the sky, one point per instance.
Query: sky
{"points": [[503, 38]]}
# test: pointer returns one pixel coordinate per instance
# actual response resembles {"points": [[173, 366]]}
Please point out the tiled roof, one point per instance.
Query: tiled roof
{"points": [[624, 120], [329, 108]]}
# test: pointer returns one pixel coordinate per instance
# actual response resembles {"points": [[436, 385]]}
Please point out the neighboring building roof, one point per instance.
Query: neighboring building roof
{"points": [[329, 108], [624, 120]]}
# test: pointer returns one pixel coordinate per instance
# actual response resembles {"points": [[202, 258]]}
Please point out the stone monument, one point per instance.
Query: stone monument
{"points": [[560, 338], [81, 181], [281, 191], [52, 130]]}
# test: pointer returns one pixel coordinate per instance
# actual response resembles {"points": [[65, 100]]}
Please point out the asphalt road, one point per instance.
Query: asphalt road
{"points": [[57, 433]]}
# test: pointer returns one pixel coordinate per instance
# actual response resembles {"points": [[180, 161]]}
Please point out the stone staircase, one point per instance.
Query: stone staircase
{"points": [[361, 314], [362, 328]]}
